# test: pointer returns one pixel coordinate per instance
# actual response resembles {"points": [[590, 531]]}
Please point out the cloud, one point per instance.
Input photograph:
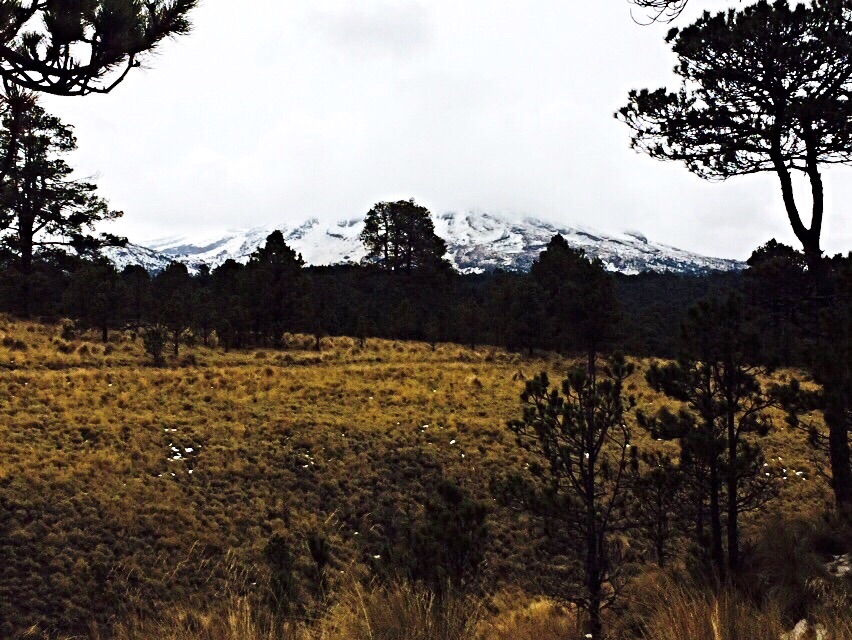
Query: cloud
{"points": [[400, 28], [321, 109]]}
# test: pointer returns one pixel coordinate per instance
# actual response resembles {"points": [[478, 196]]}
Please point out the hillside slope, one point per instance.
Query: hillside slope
{"points": [[124, 486]]}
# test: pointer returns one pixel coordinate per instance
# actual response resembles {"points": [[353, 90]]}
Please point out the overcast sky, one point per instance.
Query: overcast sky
{"points": [[275, 111]]}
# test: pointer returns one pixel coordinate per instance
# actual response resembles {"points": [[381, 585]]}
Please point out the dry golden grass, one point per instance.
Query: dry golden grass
{"points": [[670, 611], [673, 611], [399, 612], [134, 483]]}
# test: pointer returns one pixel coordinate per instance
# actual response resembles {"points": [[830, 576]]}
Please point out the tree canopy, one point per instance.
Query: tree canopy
{"points": [[78, 47], [400, 236], [579, 296], [274, 287], [42, 208], [763, 89], [581, 456], [725, 413]]}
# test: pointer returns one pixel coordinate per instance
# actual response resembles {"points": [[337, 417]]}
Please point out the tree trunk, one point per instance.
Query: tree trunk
{"points": [[595, 619], [733, 511], [716, 519], [594, 550], [839, 454], [661, 548], [26, 285], [841, 471], [593, 574], [811, 241], [699, 517], [660, 530]]}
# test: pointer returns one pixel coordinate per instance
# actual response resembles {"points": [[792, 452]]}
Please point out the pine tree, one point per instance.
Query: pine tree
{"points": [[42, 209], [833, 369], [718, 377], [764, 89], [174, 298], [154, 341], [137, 303], [231, 288], [831, 364], [275, 288], [658, 489], [400, 236], [83, 47], [579, 299], [362, 331], [94, 296], [580, 445], [785, 296], [525, 315], [448, 545], [203, 308]]}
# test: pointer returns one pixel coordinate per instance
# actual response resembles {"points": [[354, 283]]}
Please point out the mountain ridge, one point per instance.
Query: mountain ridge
{"points": [[477, 242]]}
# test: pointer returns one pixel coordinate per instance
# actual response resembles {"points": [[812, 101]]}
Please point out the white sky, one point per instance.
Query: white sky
{"points": [[275, 111]]}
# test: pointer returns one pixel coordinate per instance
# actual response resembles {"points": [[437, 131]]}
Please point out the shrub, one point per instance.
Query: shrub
{"points": [[14, 344], [154, 340], [64, 347], [402, 611], [68, 332]]}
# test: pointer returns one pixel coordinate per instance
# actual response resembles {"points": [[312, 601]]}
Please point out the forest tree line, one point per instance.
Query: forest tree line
{"points": [[238, 305]]}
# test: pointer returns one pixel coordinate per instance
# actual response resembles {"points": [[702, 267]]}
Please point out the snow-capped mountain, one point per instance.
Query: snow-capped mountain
{"points": [[476, 242]]}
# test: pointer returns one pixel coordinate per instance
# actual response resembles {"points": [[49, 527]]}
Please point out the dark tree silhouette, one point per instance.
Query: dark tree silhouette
{"points": [[94, 295], [718, 377], [524, 315], [832, 368], [448, 546], [581, 446], [154, 341], [173, 298], [14, 105], [658, 511], [811, 324], [782, 290], [834, 371], [74, 47], [203, 305], [136, 304], [228, 282], [274, 287], [764, 89], [42, 208], [579, 298], [400, 236], [362, 331]]}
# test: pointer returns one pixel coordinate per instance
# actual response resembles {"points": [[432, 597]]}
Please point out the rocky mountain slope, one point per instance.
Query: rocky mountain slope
{"points": [[476, 242]]}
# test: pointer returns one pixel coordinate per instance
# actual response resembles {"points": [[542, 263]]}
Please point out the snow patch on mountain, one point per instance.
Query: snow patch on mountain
{"points": [[476, 242]]}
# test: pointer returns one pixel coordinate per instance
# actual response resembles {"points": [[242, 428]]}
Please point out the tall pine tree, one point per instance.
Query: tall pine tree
{"points": [[42, 208], [400, 236]]}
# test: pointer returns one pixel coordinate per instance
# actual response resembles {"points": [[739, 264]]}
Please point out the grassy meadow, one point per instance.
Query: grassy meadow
{"points": [[131, 494]]}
